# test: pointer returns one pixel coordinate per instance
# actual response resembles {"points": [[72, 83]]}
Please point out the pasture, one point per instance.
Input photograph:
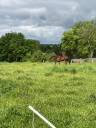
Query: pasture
{"points": [[65, 94]]}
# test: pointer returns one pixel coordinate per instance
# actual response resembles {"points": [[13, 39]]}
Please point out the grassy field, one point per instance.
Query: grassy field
{"points": [[65, 94]]}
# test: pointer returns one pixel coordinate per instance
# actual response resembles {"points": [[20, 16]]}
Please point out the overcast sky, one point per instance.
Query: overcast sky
{"points": [[44, 20]]}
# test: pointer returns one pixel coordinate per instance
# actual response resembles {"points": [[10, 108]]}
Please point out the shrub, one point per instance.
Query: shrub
{"points": [[39, 56]]}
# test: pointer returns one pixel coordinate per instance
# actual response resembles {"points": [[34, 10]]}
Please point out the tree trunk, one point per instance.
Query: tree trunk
{"points": [[91, 56]]}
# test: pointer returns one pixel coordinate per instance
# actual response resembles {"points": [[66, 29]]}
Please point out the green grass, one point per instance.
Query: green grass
{"points": [[65, 94]]}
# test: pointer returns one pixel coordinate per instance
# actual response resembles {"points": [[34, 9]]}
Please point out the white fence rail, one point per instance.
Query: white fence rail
{"points": [[41, 117], [92, 60]]}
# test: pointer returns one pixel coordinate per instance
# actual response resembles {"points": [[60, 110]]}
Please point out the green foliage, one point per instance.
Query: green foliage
{"points": [[69, 42], [32, 45], [80, 41], [39, 56], [50, 48], [14, 47]]}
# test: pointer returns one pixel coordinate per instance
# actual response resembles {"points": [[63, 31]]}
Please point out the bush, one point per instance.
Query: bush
{"points": [[39, 56]]}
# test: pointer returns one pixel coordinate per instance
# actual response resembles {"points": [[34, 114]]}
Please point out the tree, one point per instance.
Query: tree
{"points": [[88, 37], [32, 45], [80, 40], [12, 47], [69, 43]]}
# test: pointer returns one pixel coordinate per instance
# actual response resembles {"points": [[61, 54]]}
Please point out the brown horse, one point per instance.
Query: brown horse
{"points": [[60, 58]]}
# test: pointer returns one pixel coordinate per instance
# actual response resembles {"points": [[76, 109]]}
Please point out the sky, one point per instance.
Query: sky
{"points": [[44, 20]]}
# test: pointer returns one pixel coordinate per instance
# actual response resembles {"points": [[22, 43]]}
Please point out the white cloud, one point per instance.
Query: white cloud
{"points": [[43, 19], [43, 33]]}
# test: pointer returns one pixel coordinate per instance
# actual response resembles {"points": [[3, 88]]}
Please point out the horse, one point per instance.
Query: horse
{"points": [[60, 58]]}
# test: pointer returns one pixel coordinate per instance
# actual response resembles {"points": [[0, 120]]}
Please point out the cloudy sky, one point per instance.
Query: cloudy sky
{"points": [[44, 20]]}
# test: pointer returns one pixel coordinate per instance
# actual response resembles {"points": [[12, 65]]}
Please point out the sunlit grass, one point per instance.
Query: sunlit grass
{"points": [[65, 94]]}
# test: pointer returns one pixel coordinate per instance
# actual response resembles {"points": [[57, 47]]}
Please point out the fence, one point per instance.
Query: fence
{"points": [[92, 60]]}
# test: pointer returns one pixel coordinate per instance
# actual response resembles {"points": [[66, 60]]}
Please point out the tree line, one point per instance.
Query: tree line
{"points": [[78, 42], [15, 47]]}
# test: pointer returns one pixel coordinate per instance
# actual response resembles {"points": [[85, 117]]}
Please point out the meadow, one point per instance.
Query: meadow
{"points": [[64, 94]]}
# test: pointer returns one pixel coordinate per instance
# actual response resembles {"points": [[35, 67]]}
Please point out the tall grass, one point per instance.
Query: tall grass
{"points": [[65, 94]]}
